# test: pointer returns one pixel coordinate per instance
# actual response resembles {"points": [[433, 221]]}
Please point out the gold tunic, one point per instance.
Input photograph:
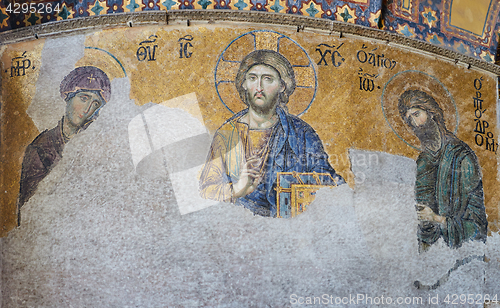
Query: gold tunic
{"points": [[233, 144]]}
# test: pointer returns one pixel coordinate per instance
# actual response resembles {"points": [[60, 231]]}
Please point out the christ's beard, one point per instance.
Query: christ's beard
{"points": [[264, 109], [428, 134]]}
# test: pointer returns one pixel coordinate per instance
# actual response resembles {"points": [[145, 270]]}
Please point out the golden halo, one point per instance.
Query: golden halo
{"points": [[103, 60], [230, 59], [416, 80]]}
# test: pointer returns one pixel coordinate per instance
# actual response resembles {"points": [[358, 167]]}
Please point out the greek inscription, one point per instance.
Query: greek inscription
{"points": [[20, 65], [483, 136], [333, 52], [377, 60], [147, 49], [367, 81], [185, 45]]}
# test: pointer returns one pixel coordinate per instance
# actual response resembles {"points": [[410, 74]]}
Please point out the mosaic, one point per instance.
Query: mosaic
{"points": [[261, 119]]}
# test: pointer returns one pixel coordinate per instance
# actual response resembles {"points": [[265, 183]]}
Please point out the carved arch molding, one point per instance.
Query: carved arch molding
{"points": [[300, 23]]}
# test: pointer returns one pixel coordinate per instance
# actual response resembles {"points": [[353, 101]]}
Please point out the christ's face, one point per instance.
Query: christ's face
{"points": [[82, 106], [263, 85]]}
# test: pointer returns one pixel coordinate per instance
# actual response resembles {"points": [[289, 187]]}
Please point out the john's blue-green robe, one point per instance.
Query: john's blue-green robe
{"points": [[450, 183]]}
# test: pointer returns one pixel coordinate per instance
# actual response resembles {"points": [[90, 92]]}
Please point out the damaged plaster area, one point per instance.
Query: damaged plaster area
{"points": [[385, 210], [99, 234]]}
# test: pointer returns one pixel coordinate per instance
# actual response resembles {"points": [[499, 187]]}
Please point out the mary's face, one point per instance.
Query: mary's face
{"points": [[82, 106]]}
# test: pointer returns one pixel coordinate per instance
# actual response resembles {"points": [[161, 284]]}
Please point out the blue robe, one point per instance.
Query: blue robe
{"points": [[450, 183]]}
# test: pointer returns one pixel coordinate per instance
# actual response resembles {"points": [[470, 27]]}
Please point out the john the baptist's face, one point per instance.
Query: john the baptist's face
{"points": [[263, 85], [422, 124], [82, 106], [416, 117]]}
